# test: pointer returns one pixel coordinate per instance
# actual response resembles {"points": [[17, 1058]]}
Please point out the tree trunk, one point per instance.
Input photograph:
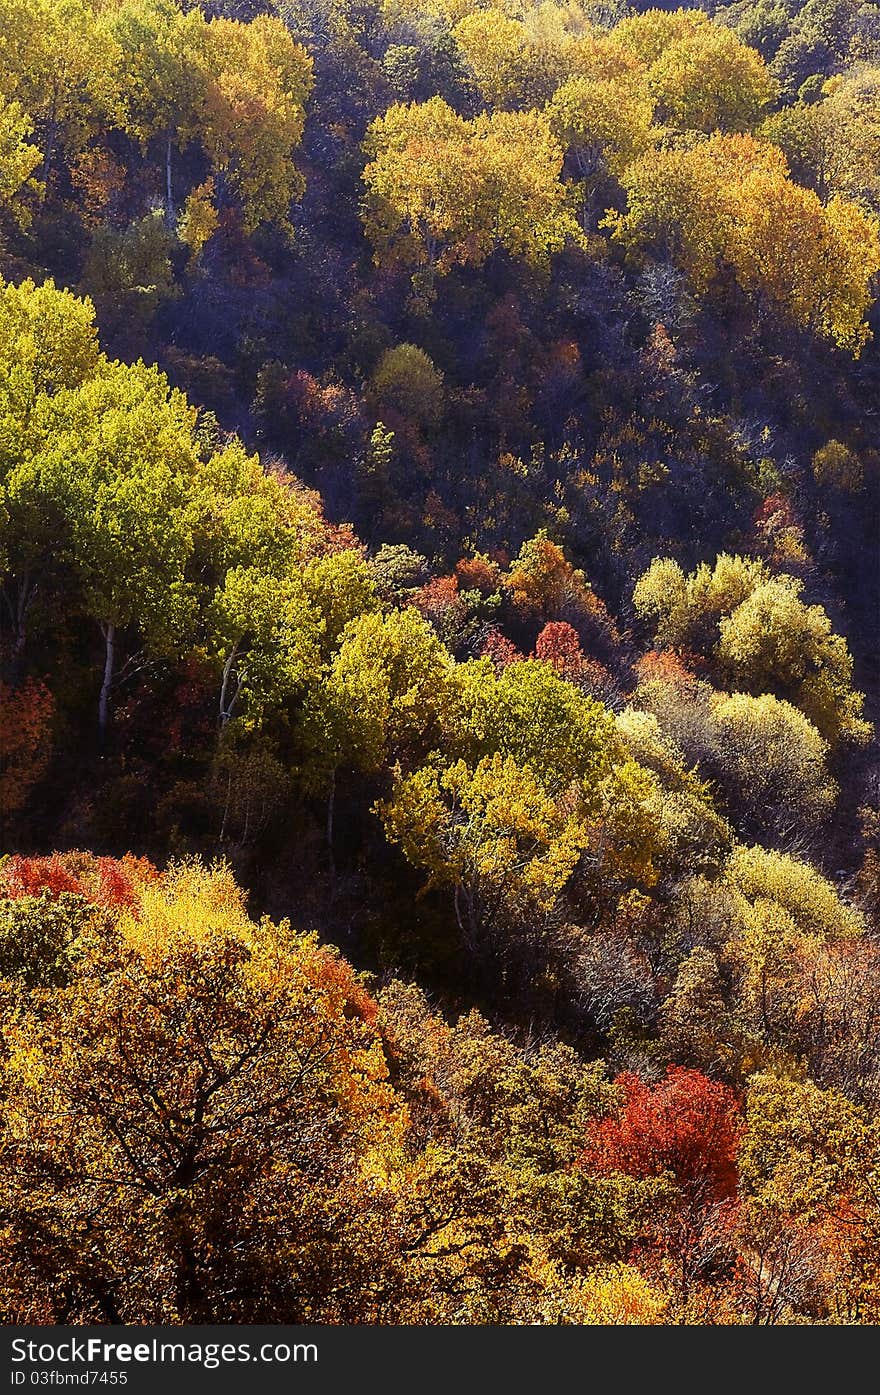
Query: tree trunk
{"points": [[50, 138], [18, 603], [226, 704], [169, 199], [331, 808], [21, 610], [109, 632]]}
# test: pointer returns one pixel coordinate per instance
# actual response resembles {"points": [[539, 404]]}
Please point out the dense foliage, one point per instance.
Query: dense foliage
{"points": [[439, 500]]}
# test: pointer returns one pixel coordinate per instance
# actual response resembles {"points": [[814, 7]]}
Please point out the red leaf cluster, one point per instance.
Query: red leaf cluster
{"points": [[686, 1124], [104, 881]]}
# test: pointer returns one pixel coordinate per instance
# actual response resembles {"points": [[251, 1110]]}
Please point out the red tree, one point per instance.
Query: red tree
{"points": [[686, 1124], [25, 742], [558, 645], [501, 650], [105, 881]]}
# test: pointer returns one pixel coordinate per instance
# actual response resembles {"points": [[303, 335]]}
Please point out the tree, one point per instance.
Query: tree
{"points": [[544, 585], [686, 1125], [159, 78], [529, 713], [237, 89], [25, 743], [406, 379], [729, 201], [619, 1296], [559, 646], [123, 444], [18, 160], [835, 465], [772, 763], [267, 639], [810, 1155], [678, 805], [708, 80], [48, 341], [833, 143], [520, 61], [496, 52], [108, 475], [251, 516], [58, 61], [443, 191], [39, 935], [128, 274], [251, 114], [761, 635], [695, 1025], [649, 34], [773, 640], [383, 697], [48, 344], [208, 1071], [198, 220], [605, 123], [341, 587], [850, 114], [793, 887], [493, 834]]}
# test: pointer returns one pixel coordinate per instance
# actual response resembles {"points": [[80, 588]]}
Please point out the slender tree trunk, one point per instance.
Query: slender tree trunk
{"points": [[21, 610], [18, 605], [331, 809], [109, 632], [49, 141], [226, 705], [169, 198], [226, 805], [331, 802]]}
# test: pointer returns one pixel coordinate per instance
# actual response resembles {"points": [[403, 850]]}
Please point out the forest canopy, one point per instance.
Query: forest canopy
{"points": [[439, 786]]}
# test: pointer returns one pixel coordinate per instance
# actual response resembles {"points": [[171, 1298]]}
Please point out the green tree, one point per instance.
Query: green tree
{"points": [[492, 834], [266, 636], [48, 344], [761, 634], [123, 447], [386, 691], [531, 715]]}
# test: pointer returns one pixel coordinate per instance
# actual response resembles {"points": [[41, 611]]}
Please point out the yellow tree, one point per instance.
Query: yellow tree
{"points": [[158, 78], [604, 124], [494, 836], [18, 160], [520, 61], [442, 190], [773, 640], [603, 121], [198, 1076], [708, 80], [252, 113], [649, 34], [237, 89], [761, 634], [496, 51], [57, 60], [729, 201], [808, 1164]]}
